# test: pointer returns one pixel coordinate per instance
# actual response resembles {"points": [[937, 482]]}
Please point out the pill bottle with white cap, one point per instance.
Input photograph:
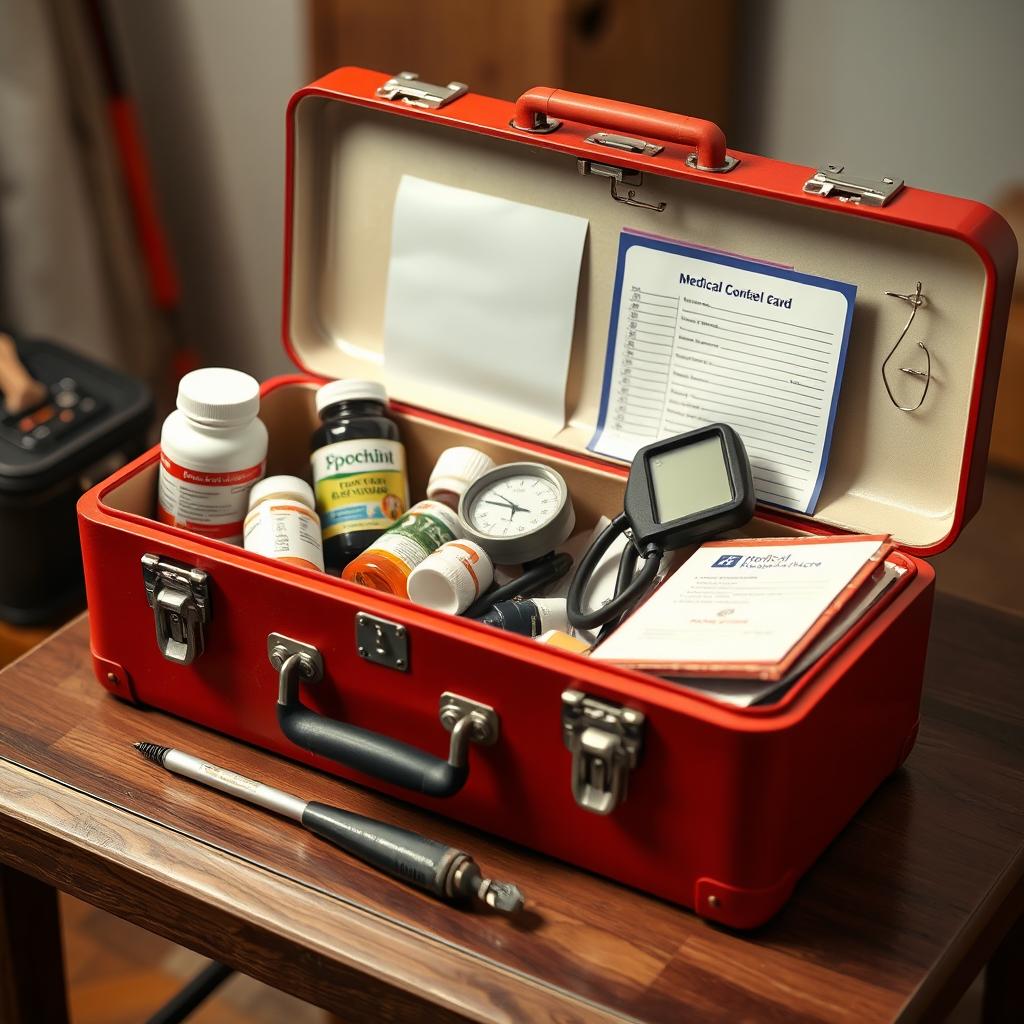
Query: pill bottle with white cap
{"points": [[455, 469], [213, 448], [452, 578], [282, 522]]}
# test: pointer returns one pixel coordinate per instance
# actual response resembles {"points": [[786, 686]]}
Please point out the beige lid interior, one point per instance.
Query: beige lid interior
{"points": [[889, 471]]}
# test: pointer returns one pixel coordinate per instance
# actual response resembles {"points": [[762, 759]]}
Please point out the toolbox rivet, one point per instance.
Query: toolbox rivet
{"points": [[400, 662], [712, 901], [112, 679], [400, 631], [362, 651]]}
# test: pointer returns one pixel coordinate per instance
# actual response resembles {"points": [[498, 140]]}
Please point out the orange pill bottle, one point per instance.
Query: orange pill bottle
{"points": [[389, 561]]}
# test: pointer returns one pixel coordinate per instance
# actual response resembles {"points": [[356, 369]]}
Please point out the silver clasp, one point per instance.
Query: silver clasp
{"points": [[624, 142], [180, 598], [833, 180], [605, 742], [406, 87]]}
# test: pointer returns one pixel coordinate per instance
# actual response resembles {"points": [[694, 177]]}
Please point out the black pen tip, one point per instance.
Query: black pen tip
{"points": [[152, 752]]}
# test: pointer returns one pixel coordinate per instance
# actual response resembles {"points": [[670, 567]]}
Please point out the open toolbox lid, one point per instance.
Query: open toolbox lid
{"points": [[917, 475]]}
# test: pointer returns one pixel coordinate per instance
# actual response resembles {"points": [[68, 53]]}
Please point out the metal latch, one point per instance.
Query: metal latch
{"points": [[833, 180], [619, 176], [605, 741], [625, 143], [382, 642], [180, 598], [406, 87]]}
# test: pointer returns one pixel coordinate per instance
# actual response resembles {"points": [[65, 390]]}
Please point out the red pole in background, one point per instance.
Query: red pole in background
{"points": [[161, 272]]}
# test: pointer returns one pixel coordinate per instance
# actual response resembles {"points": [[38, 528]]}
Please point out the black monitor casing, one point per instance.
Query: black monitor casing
{"points": [[639, 504]]}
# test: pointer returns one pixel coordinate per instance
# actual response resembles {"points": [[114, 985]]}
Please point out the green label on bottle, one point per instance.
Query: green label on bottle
{"points": [[422, 530]]}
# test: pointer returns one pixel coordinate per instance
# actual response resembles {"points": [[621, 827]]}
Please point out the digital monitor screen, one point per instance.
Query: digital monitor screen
{"points": [[689, 479]]}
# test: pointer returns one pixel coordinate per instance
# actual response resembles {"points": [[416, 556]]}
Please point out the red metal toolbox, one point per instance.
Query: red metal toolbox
{"points": [[714, 807]]}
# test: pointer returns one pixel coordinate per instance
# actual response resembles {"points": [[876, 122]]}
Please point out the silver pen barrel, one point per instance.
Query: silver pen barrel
{"points": [[215, 777], [440, 869]]}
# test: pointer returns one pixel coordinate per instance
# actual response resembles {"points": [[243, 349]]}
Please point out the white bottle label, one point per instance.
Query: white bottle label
{"points": [[211, 504], [287, 530]]}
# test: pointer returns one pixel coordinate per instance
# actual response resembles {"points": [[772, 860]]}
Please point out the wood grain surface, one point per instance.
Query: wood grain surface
{"points": [[893, 922]]}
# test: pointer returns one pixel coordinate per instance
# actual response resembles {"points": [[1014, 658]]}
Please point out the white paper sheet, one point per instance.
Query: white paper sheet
{"points": [[699, 336], [739, 604], [481, 302], [745, 692]]}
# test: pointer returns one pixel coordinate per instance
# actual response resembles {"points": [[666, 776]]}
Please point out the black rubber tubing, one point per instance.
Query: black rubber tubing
{"points": [[536, 575], [620, 603], [627, 570]]}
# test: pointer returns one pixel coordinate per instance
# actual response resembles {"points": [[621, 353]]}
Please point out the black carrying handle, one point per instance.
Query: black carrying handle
{"points": [[373, 753]]}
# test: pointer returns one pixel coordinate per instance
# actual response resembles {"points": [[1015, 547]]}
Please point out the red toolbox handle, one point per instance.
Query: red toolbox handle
{"points": [[537, 105], [373, 753]]}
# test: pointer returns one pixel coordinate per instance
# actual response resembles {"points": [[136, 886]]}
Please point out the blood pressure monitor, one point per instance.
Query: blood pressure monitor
{"points": [[682, 490]]}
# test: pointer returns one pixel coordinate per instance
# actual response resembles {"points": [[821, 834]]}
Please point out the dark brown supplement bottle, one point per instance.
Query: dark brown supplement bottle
{"points": [[358, 466]]}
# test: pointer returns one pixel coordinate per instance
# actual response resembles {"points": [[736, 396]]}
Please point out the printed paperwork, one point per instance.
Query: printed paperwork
{"points": [[481, 303], [746, 609], [699, 336], [745, 692]]}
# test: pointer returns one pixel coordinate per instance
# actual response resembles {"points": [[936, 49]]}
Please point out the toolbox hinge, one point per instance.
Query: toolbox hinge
{"points": [[605, 741], [834, 181], [406, 87], [180, 598]]}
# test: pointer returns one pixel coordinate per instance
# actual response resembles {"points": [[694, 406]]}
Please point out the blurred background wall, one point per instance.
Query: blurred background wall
{"points": [[928, 89], [211, 79], [925, 89]]}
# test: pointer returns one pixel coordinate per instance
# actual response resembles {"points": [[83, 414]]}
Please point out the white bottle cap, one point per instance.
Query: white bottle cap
{"points": [[217, 395], [456, 469], [452, 578], [288, 487], [552, 612], [350, 391]]}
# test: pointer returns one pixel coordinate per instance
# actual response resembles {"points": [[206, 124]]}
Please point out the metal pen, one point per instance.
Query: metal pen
{"points": [[445, 871]]}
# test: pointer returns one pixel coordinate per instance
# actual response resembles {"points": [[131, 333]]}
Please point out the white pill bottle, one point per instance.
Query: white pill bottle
{"points": [[213, 448], [282, 522]]}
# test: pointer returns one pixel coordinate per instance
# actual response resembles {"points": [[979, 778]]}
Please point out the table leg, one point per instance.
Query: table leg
{"points": [[1004, 980], [31, 956]]}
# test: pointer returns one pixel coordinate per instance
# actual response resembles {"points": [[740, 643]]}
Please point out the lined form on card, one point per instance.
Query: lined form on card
{"points": [[699, 336]]}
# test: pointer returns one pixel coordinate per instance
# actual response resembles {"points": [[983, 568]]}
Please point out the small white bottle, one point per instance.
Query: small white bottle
{"points": [[213, 448], [282, 522], [452, 578]]}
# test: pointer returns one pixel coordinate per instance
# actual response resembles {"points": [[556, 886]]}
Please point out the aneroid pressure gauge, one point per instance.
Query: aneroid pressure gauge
{"points": [[517, 512]]}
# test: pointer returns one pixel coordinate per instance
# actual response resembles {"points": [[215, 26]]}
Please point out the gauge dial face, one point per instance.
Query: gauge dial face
{"points": [[515, 506], [518, 512]]}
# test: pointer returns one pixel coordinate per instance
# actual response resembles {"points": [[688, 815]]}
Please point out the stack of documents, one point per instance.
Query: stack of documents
{"points": [[740, 620]]}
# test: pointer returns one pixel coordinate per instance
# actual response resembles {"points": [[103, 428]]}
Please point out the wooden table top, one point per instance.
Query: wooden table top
{"points": [[893, 921]]}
